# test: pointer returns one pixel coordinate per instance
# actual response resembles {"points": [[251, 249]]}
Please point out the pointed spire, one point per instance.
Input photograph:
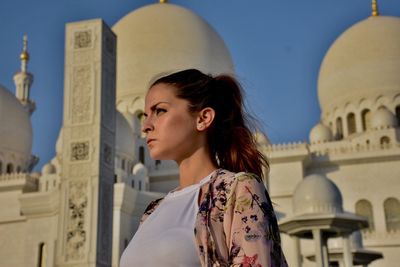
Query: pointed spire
{"points": [[24, 54], [23, 80], [375, 11]]}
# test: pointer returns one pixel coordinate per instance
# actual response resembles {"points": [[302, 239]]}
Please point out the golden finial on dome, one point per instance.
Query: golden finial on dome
{"points": [[375, 11], [163, 1], [25, 55]]}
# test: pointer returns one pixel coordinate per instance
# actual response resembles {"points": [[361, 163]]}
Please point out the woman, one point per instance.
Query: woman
{"points": [[221, 214]]}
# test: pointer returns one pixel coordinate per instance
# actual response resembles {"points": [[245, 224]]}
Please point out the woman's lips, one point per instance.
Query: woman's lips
{"points": [[150, 140]]}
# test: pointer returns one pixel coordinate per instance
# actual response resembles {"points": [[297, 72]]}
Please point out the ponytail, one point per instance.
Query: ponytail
{"points": [[231, 142]]}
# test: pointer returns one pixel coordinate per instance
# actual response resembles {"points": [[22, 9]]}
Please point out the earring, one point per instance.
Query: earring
{"points": [[201, 126]]}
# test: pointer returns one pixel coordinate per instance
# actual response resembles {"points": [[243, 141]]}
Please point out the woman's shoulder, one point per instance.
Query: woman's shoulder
{"points": [[228, 181], [236, 177]]}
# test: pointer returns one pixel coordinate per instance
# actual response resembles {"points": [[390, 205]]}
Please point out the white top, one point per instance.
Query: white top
{"points": [[167, 238]]}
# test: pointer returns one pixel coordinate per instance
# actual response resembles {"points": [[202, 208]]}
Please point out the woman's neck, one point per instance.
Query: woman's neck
{"points": [[194, 168]]}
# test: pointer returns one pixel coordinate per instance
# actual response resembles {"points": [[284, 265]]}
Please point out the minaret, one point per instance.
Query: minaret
{"points": [[23, 80]]}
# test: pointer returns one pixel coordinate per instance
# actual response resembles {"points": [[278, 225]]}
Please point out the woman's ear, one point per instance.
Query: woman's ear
{"points": [[205, 118]]}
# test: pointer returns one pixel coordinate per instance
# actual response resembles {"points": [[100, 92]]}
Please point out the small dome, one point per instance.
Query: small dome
{"points": [[363, 62], [15, 125], [317, 194], [140, 170], [320, 134], [383, 118], [125, 140], [48, 169], [163, 38]]}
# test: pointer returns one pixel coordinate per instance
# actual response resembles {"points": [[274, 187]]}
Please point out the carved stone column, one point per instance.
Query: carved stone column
{"points": [[86, 211]]}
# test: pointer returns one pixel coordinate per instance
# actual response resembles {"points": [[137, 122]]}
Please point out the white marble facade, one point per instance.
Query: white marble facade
{"points": [[356, 144]]}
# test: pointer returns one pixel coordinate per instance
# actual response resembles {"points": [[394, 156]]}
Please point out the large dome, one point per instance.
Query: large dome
{"points": [[364, 62], [15, 126], [162, 38]]}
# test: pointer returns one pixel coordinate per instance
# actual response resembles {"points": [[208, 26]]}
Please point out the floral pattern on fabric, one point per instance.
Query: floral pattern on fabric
{"points": [[236, 223]]}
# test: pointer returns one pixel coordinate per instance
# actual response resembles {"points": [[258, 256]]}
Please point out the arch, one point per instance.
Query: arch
{"points": [[366, 119], [10, 168], [123, 164], [391, 207], [42, 256], [382, 100], [140, 185], [364, 208], [385, 140], [133, 183], [397, 111], [351, 123], [339, 129]]}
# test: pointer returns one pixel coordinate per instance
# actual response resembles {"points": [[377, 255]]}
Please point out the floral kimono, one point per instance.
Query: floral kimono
{"points": [[235, 224]]}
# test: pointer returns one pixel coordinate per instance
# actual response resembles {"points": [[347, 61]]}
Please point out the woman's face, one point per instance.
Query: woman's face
{"points": [[170, 128]]}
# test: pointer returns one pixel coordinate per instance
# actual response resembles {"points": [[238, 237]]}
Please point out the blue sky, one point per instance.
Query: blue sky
{"points": [[277, 48]]}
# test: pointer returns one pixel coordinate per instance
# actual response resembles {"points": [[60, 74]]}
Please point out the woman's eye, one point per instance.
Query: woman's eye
{"points": [[160, 111]]}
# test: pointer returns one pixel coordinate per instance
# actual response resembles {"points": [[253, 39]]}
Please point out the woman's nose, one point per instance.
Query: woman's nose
{"points": [[147, 126]]}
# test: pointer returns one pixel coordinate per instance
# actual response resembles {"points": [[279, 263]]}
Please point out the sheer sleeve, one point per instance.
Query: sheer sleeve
{"points": [[254, 239]]}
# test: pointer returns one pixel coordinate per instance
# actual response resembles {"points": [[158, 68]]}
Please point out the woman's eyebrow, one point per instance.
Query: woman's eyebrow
{"points": [[153, 107]]}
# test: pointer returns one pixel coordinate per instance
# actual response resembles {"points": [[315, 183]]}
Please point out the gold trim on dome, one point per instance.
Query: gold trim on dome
{"points": [[163, 1], [375, 11]]}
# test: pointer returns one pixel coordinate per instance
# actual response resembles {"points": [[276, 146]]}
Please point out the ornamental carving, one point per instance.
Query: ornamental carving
{"points": [[79, 170], [81, 132], [81, 94], [80, 151], [76, 233], [83, 39], [82, 57]]}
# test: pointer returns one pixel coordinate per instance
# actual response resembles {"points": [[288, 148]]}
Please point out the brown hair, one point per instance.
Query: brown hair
{"points": [[231, 142]]}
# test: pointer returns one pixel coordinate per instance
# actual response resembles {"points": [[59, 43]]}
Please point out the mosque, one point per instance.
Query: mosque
{"points": [[337, 196]]}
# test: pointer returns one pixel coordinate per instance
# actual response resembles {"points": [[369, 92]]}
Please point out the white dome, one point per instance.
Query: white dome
{"points": [[383, 118], [317, 194], [15, 125], [363, 62], [48, 169], [124, 140], [163, 38], [320, 134], [140, 170]]}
